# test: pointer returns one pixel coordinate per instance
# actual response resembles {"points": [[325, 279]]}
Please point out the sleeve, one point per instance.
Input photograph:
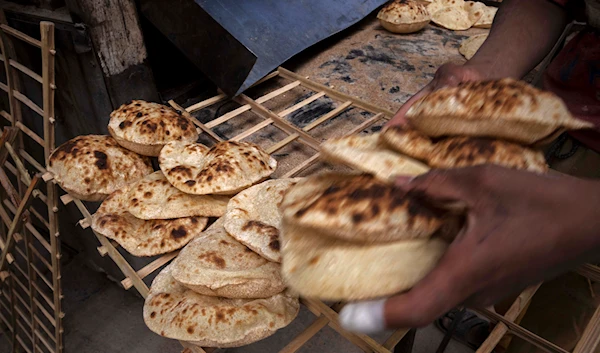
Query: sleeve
{"points": [[561, 3]]}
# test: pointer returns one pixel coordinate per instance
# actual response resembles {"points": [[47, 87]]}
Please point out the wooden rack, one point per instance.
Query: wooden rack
{"points": [[290, 133], [30, 298]]}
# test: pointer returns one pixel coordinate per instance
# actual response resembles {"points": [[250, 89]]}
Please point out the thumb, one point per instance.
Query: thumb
{"points": [[442, 185], [399, 118]]}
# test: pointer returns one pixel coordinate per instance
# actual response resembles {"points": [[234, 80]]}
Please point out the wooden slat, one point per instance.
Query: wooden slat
{"points": [[30, 133], [28, 102], [279, 122], [40, 257], [206, 103], [359, 340], [44, 342], [589, 271], [301, 104], [32, 161], [39, 217], [20, 35], [6, 116], [42, 276], [44, 296], [523, 333], [38, 236], [393, 340], [45, 312], [23, 345], [335, 94], [591, 335], [44, 328], [27, 71], [302, 166], [151, 267], [328, 116], [27, 198]]}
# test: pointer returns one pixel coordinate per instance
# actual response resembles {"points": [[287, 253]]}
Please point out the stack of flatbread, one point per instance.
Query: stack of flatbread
{"points": [[460, 15], [339, 232], [225, 288]]}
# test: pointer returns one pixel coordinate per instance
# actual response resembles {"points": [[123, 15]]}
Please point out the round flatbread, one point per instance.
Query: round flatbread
{"points": [[456, 152], [227, 168], [253, 217], [404, 16], [362, 208], [505, 109], [140, 237], [486, 20], [153, 197], [145, 127], [456, 18], [320, 266], [216, 264], [174, 311], [365, 153], [436, 5], [471, 45], [91, 167]]}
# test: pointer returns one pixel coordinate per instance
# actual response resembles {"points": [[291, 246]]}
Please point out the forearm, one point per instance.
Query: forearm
{"points": [[523, 33]]}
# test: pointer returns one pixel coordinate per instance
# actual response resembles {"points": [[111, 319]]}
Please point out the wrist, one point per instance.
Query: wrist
{"points": [[491, 68]]}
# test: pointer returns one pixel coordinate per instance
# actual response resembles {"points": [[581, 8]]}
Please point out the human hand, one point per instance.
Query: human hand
{"points": [[447, 75], [521, 228]]}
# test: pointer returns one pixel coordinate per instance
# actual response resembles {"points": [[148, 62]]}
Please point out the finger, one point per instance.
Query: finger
{"points": [[444, 185], [400, 118]]}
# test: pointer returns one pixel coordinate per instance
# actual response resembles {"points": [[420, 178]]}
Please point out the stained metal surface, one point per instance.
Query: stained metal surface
{"points": [[231, 33]]}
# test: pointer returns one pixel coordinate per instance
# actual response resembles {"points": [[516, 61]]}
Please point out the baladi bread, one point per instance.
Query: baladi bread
{"points": [[216, 264], [455, 152], [145, 127], [317, 265], [471, 45], [227, 168], [456, 18], [362, 208], [505, 109], [153, 197], [91, 167], [174, 311], [140, 237], [487, 18], [436, 5], [404, 16], [253, 217], [365, 153]]}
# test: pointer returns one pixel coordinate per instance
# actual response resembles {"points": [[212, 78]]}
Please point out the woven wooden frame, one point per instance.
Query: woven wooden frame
{"points": [[326, 315], [31, 288]]}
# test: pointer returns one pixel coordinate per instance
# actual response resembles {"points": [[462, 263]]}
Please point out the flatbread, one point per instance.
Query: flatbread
{"points": [[487, 18], [140, 237], [404, 16], [91, 167], [145, 127], [216, 264], [362, 208], [471, 45], [227, 168], [317, 265], [364, 153], [505, 109], [436, 5], [253, 217], [153, 197], [172, 310], [455, 152], [455, 18]]}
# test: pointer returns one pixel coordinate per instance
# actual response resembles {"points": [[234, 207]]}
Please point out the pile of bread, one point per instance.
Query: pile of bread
{"points": [[409, 16], [225, 288], [354, 237]]}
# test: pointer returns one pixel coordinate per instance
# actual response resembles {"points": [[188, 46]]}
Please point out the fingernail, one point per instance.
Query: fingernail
{"points": [[363, 317]]}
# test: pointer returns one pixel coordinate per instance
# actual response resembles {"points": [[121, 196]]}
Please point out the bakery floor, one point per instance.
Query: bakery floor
{"points": [[102, 317]]}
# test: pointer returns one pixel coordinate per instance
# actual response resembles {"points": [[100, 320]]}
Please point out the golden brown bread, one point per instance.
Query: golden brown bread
{"points": [[454, 152], [362, 208], [91, 167], [141, 237], [174, 311], [145, 127], [224, 169], [404, 16], [506, 109]]}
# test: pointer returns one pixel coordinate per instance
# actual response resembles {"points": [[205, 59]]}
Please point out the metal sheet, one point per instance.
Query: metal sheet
{"points": [[271, 31]]}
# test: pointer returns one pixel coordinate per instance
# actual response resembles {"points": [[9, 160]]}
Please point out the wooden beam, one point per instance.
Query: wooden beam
{"points": [[117, 39]]}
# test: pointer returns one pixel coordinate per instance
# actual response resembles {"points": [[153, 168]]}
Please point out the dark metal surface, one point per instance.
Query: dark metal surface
{"points": [[236, 43]]}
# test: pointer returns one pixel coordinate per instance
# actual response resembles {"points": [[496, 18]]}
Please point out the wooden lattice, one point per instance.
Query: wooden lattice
{"points": [[30, 302], [288, 133]]}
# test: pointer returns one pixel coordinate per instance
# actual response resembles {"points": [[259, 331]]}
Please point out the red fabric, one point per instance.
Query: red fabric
{"points": [[574, 75]]}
